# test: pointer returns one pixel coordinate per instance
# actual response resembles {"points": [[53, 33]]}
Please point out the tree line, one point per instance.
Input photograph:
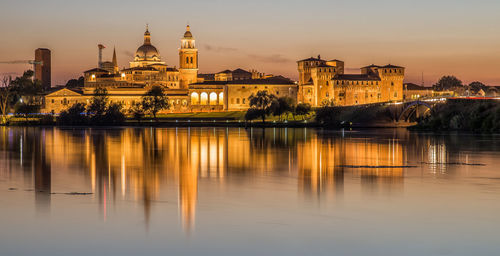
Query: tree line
{"points": [[20, 94], [100, 111], [452, 83], [263, 104]]}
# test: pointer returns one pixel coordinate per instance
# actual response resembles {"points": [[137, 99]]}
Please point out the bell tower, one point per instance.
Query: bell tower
{"points": [[188, 60]]}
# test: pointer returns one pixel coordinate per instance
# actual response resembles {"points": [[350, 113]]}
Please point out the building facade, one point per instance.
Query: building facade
{"points": [[323, 82]]}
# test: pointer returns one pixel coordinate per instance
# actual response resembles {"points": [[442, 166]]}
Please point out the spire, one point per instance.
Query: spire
{"points": [[147, 35], [115, 62]]}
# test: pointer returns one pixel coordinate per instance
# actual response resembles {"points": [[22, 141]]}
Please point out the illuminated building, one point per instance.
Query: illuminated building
{"points": [[185, 89], [324, 82]]}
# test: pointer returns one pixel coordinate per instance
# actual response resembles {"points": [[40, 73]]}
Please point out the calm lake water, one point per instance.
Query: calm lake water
{"points": [[231, 191]]}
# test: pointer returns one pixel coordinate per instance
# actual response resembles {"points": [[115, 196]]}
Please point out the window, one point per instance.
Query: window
{"points": [[187, 59], [237, 100], [244, 101], [327, 95], [195, 98], [203, 98], [213, 98], [191, 60]]}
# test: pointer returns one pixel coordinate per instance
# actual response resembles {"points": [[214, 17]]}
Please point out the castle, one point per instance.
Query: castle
{"points": [[323, 82]]}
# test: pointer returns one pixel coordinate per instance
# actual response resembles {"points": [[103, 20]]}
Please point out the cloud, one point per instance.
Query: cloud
{"points": [[219, 48], [275, 58], [128, 53]]}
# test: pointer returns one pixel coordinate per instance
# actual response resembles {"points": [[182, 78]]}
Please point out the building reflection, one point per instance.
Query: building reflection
{"points": [[143, 165]]}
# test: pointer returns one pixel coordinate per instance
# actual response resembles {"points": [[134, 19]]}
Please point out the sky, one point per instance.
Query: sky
{"points": [[431, 38]]}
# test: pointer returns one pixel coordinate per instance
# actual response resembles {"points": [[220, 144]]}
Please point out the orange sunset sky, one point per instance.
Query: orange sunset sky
{"points": [[435, 38]]}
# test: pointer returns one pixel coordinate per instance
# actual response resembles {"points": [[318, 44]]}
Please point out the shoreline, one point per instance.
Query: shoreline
{"points": [[241, 124]]}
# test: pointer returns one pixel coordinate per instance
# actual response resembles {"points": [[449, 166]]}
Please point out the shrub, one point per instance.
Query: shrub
{"points": [[75, 115]]}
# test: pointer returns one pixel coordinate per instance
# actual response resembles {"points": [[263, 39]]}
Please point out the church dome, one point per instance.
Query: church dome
{"points": [[147, 52]]}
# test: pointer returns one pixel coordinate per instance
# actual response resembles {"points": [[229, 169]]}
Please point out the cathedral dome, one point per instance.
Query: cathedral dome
{"points": [[147, 52]]}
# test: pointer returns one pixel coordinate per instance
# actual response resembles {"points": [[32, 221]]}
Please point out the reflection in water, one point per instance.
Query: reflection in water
{"points": [[137, 164]]}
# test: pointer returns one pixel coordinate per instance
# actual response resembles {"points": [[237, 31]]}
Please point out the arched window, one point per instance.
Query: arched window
{"points": [[221, 98], [195, 98], [187, 60], [191, 59], [213, 98], [203, 98]]}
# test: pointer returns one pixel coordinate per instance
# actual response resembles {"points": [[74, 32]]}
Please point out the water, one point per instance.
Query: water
{"points": [[230, 191]]}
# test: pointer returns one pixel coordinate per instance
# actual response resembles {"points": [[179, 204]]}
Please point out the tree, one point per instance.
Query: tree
{"points": [[475, 87], [98, 103], [447, 83], [114, 114], [253, 113], [302, 109], [24, 86], [155, 101], [137, 111], [282, 105], [5, 97], [75, 83], [261, 101], [75, 115]]}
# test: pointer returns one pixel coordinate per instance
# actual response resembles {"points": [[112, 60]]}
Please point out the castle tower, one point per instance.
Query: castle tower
{"points": [[188, 60]]}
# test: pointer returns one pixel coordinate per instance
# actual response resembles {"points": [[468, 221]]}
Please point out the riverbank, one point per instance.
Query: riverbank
{"points": [[463, 115], [348, 117]]}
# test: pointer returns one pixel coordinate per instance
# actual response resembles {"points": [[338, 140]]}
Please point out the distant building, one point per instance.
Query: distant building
{"points": [[233, 75], [415, 92], [324, 82], [43, 70]]}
